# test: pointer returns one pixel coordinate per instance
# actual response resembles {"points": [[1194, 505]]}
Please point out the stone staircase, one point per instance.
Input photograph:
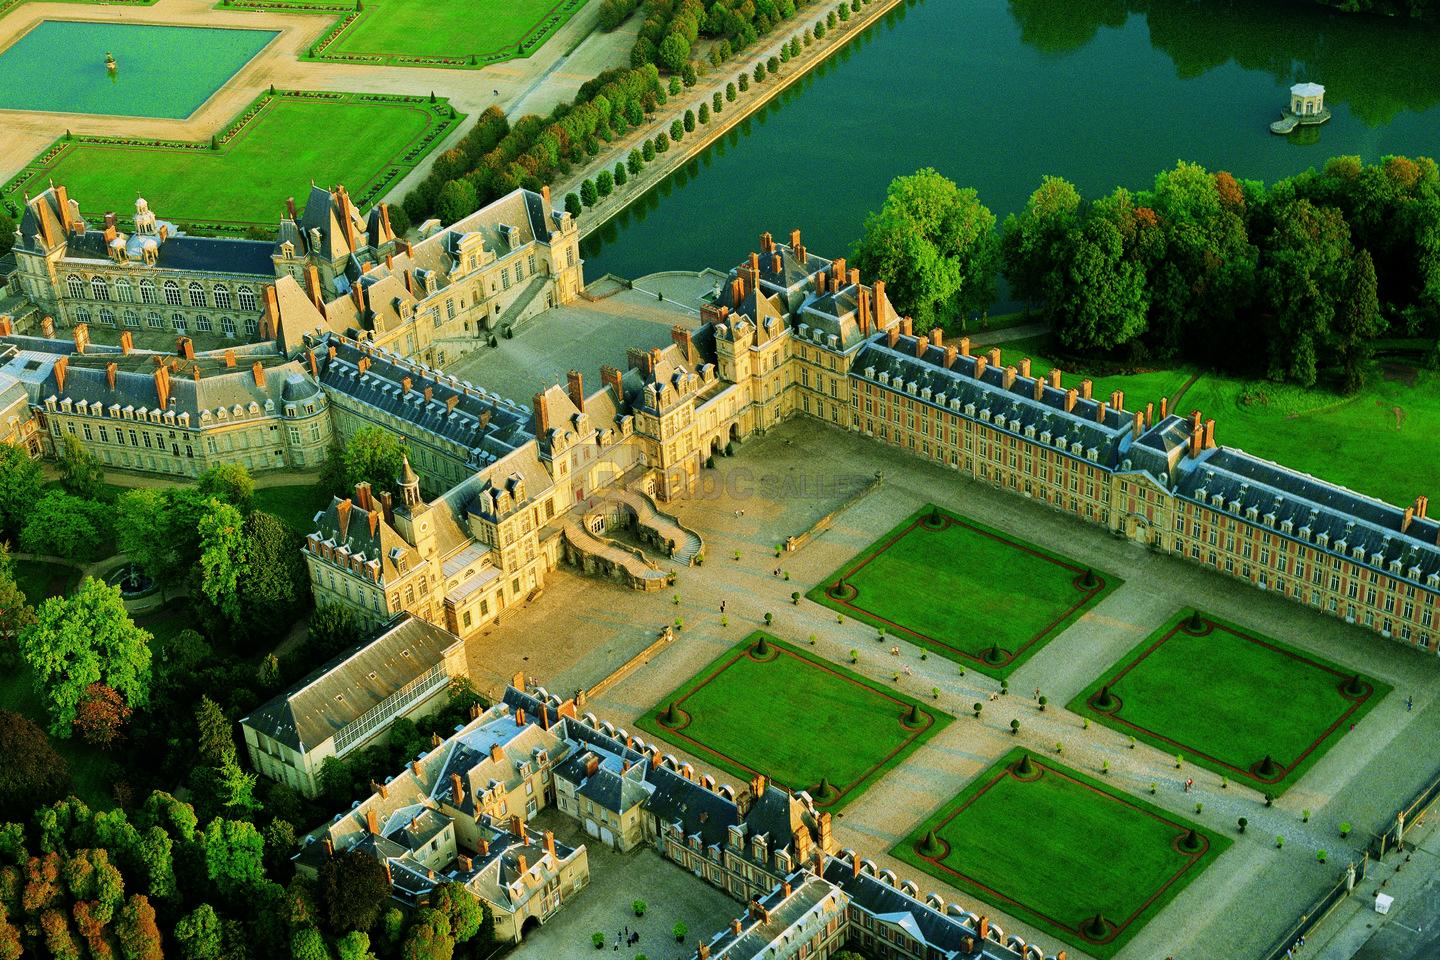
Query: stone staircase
{"points": [[520, 308], [662, 526], [595, 555]]}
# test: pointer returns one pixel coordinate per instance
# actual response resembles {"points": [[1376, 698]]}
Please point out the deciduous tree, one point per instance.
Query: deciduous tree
{"points": [[353, 890], [33, 774], [21, 481]]}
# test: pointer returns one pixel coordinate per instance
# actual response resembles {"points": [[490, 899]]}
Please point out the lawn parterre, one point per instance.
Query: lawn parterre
{"points": [[806, 723], [276, 148], [1058, 849], [429, 34], [1226, 698], [964, 590]]}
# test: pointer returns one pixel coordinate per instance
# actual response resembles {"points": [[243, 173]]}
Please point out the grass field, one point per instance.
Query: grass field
{"points": [[1056, 848], [795, 718], [964, 589], [296, 504], [1140, 388], [1227, 698], [291, 142]]}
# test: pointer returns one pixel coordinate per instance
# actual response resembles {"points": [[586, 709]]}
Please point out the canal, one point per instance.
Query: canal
{"points": [[997, 94]]}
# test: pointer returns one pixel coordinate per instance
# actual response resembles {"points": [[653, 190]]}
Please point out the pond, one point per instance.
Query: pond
{"points": [[997, 94]]}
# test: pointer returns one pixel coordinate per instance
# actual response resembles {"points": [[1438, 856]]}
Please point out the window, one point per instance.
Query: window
{"points": [[132, 319], [107, 316], [252, 327], [82, 315], [247, 298], [505, 278], [570, 256], [222, 298], [123, 291], [227, 326], [177, 320], [151, 317], [530, 264], [203, 324], [147, 292], [197, 294], [172, 293]]}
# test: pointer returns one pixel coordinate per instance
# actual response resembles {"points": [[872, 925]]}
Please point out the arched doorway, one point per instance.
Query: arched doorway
{"points": [[531, 924], [735, 432]]}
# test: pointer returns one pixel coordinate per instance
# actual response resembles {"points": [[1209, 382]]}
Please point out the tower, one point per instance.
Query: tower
{"points": [[409, 487]]}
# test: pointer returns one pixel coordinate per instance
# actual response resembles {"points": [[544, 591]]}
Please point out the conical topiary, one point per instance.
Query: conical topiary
{"points": [[1353, 686], [1088, 580], [825, 789], [670, 714], [914, 716], [1096, 928], [1191, 840], [993, 655], [762, 648], [930, 846], [1196, 622], [1103, 699], [1025, 768], [1268, 767]]}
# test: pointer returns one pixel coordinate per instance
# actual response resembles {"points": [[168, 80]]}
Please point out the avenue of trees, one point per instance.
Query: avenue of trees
{"points": [[1296, 281]]}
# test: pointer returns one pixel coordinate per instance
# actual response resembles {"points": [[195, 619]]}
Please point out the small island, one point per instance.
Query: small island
{"points": [[1307, 108], [110, 65]]}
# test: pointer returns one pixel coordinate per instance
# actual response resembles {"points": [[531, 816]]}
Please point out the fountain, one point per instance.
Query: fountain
{"points": [[132, 580]]}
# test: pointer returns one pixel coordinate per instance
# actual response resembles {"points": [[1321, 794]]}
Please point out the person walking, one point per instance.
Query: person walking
{"points": [[1037, 694], [1409, 704]]}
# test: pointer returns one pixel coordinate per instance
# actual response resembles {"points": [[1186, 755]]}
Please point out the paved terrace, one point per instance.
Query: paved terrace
{"points": [[581, 629]]}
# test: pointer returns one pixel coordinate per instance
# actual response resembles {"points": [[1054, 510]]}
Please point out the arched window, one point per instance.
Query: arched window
{"points": [[222, 298], [99, 288], [123, 291], [107, 316], [155, 320], [197, 294], [177, 320], [172, 293], [247, 298], [132, 319], [147, 291], [227, 326], [82, 315], [75, 287], [252, 327], [203, 324]]}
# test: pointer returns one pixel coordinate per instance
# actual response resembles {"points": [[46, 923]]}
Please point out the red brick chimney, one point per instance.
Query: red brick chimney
{"points": [[1023, 368], [542, 415], [680, 336], [110, 369], [229, 358], [575, 386], [185, 347], [458, 786], [372, 822], [258, 369], [362, 495], [612, 378], [1070, 399], [1209, 434], [550, 844], [82, 337], [1085, 386], [879, 287], [162, 386]]}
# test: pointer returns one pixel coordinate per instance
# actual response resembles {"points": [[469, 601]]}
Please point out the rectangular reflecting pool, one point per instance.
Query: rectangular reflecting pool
{"points": [[160, 71]]}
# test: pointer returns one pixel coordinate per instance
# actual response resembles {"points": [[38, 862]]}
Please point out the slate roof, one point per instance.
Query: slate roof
{"points": [[782, 920], [697, 810], [347, 687], [218, 387]]}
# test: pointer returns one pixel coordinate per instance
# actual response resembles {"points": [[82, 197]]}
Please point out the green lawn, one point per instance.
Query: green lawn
{"points": [[362, 141], [1228, 698], [296, 504], [40, 579], [1140, 387], [964, 589], [1057, 849], [795, 718], [1394, 422]]}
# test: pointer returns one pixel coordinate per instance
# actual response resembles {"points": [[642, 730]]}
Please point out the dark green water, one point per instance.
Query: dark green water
{"points": [[995, 95]]}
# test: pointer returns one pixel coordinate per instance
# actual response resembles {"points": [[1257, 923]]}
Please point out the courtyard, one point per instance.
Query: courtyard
{"points": [[770, 708], [964, 590], [1080, 860], [1242, 705]]}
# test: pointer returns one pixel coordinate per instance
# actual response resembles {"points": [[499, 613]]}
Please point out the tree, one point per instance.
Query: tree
{"points": [[214, 734], [464, 911], [80, 470], [234, 856], [223, 558], [621, 176], [674, 52], [63, 525], [21, 483], [1357, 323], [141, 519], [274, 581], [136, 932], [199, 934], [428, 938], [605, 183], [634, 163], [456, 201], [572, 204], [934, 246], [703, 116], [332, 628], [1305, 274], [1099, 294], [83, 639], [308, 943], [229, 483], [1032, 241], [33, 773], [355, 945], [100, 715], [689, 121], [375, 456], [15, 611], [589, 193], [280, 844], [353, 890]]}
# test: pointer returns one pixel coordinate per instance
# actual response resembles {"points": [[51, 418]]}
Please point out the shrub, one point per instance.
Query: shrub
{"points": [[703, 117], [639, 907], [769, 619], [621, 175], [598, 939], [680, 930], [759, 73], [1014, 726], [1242, 823], [854, 656], [772, 66], [1304, 816], [1199, 807], [977, 707], [1279, 841], [1105, 766], [605, 183], [1344, 828], [795, 597], [1043, 700], [662, 142], [1320, 855], [730, 92], [717, 102], [744, 80]]}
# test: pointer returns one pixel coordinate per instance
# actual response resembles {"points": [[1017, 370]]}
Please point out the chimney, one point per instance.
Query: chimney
{"points": [[1039, 388], [195, 373], [1194, 419], [1023, 368], [950, 354], [820, 284], [542, 415], [185, 347], [1085, 386], [937, 336], [387, 506], [854, 863], [735, 926], [1009, 379], [1117, 399], [484, 847], [907, 326], [428, 393], [519, 717], [517, 827], [357, 293], [550, 845], [794, 239], [702, 951], [110, 369], [258, 369], [1149, 414], [879, 288], [362, 495], [1164, 407], [1054, 378], [892, 336], [980, 364], [545, 199], [1210, 434], [342, 515], [920, 344], [162, 386], [82, 337], [964, 346], [786, 890], [496, 753], [127, 342], [682, 340], [312, 287], [458, 786], [465, 863], [1070, 399], [855, 278], [47, 327], [1139, 422], [1197, 439], [1101, 409], [612, 378], [837, 272], [230, 357], [862, 316], [1422, 505], [329, 846], [290, 208], [372, 823], [522, 864], [995, 357], [982, 927], [1405, 521], [415, 768]]}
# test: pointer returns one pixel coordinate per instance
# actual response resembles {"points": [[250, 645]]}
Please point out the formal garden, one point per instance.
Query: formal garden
{"points": [[1079, 860], [238, 180], [769, 707], [1252, 709], [964, 590]]}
